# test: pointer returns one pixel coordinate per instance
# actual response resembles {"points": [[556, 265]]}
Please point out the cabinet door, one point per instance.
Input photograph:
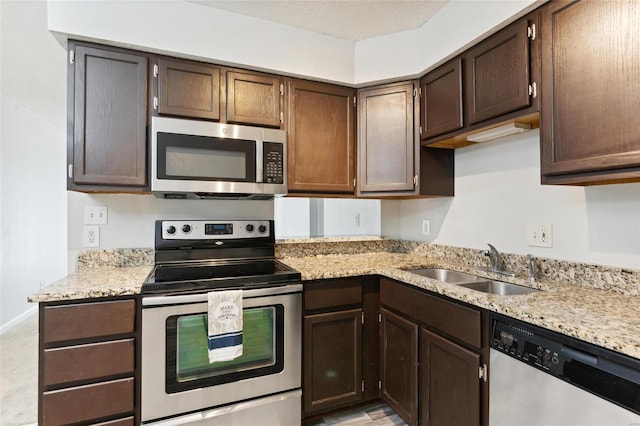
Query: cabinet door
{"points": [[254, 99], [188, 89], [590, 91], [108, 110], [449, 383], [386, 139], [497, 74], [332, 360], [399, 365], [442, 100], [321, 141]]}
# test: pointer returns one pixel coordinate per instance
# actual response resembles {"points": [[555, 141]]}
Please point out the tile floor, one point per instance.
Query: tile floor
{"points": [[373, 415], [19, 385], [19, 373]]}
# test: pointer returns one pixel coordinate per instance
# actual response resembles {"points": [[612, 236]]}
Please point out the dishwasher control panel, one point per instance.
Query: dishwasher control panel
{"points": [[527, 346]]}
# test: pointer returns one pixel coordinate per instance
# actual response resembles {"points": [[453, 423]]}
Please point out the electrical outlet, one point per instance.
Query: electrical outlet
{"points": [[426, 227], [356, 220], [91, 236], [540, 235], [95, 215]]}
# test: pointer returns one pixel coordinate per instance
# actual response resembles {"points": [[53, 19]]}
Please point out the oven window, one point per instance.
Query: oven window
{"points": [[188, 157], [188, 364]]}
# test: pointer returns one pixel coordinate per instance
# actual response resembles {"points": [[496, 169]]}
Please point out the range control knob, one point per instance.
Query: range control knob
{"points": [[249, 228], [262, 229], [186, 228], [171, 230]]}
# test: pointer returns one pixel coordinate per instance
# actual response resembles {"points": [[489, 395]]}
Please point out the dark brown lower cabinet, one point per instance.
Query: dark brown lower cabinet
{"points": [[87, 362], [430, 357], [449, 387], [340, 343], [333, 359], [399, 365]]}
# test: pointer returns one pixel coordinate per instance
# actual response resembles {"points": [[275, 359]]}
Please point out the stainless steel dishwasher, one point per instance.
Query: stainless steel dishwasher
{"points": [[542, 378]]}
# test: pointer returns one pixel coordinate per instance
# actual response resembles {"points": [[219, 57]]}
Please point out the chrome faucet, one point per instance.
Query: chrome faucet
{"points": [[494, 258], [532, 268], [497, 265]]}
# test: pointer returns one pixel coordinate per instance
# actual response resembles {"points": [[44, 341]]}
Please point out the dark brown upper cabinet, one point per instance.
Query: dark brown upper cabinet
{"points": [[255, 99], [497, 73], [321, 143], [390, 160], [188, 89], [441, 95], [590, 92], [107, 116], [386, 139]]}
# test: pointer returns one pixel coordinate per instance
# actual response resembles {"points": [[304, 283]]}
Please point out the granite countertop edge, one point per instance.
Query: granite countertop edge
{"points": [[601, 317]]}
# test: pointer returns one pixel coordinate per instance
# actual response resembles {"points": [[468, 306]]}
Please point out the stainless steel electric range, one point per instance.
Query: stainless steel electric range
{"points": [[179, 384]]}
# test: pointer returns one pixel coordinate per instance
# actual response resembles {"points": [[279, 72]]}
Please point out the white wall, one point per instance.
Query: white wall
{"points": [[196, 31], [409, 53], [221, 36], [339, 217], [336, 216], [292, 218], [33, 135], [498, 192]]}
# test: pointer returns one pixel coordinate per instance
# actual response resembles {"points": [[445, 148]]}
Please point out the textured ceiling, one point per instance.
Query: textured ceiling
{"points": [[347, 19]]}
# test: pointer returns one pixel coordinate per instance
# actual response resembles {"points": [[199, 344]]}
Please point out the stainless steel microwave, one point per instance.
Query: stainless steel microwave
{"points": [[200, 159]]}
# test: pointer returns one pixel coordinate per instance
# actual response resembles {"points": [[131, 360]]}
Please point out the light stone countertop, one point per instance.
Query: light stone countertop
{"points": [[93, 283], [602, 317]]}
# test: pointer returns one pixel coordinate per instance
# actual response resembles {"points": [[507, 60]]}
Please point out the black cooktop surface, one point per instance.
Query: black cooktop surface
{"points": [[205, 275]]}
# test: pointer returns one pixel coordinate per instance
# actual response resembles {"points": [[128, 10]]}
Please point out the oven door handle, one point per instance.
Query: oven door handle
{"points": [[149, 301]]}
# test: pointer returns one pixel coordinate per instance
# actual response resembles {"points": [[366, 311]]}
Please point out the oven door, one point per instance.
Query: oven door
{"points": [[177, 377]]}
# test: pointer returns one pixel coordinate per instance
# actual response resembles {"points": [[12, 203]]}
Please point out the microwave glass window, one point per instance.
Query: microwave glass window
{"points": [[188, 157], [195, 162], [258, 347]]}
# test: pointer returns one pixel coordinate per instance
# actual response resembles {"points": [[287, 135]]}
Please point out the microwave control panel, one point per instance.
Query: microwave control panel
{"points": [[273, 162]]}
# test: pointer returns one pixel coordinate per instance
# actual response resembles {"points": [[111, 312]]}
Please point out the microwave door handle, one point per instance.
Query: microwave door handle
{"points": [[259, 161]]}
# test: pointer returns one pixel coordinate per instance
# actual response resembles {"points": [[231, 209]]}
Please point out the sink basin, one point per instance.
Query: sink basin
{"points": [[499, 287], [446, 275]]}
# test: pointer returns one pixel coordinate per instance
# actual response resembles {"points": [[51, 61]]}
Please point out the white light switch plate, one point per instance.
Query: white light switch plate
{"points": [[426, 227], [95, 215]]}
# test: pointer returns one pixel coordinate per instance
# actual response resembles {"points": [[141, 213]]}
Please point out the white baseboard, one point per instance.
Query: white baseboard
{"points": [[17, 320]]}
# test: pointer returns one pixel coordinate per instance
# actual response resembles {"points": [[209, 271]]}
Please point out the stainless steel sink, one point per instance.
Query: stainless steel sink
{"points": [[446, 275], [498, 287]]}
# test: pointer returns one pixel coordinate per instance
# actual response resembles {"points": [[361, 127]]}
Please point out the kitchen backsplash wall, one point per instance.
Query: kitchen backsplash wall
{"points": [[498, 192], [131, 218]]}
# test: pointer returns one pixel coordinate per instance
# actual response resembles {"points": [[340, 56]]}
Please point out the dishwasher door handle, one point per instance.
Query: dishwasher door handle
{"points": [[579, 355]]}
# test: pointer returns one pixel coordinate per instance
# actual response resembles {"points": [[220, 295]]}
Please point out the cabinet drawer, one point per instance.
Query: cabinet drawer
{"points": [[84, 403], [331, 294], [456, 320], [86, 320], [85, 362]]}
